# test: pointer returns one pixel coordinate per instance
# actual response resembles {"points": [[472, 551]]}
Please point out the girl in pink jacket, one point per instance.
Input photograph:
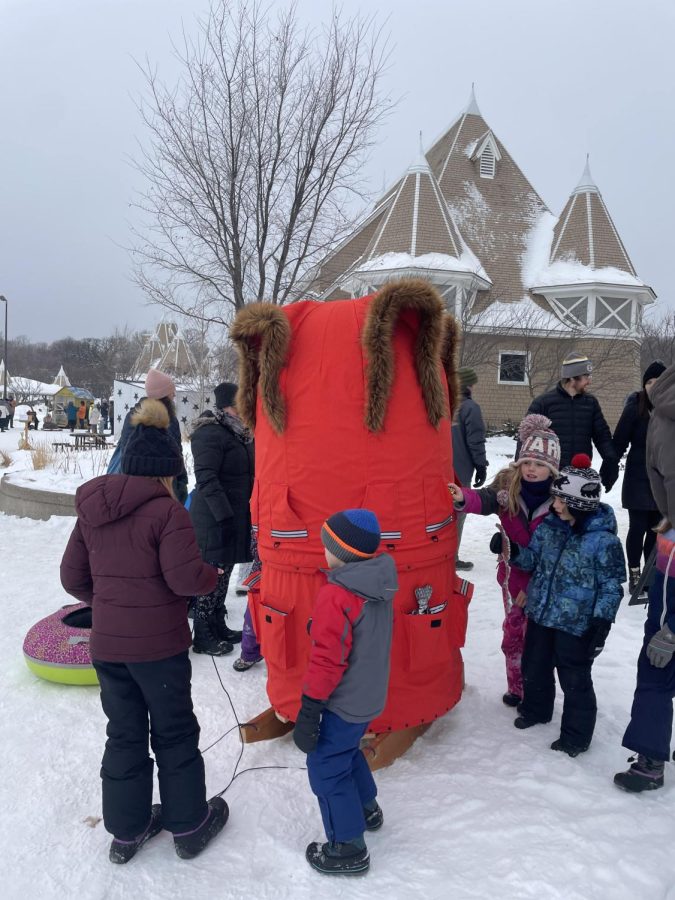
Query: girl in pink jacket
{"points": [[520, 495]]}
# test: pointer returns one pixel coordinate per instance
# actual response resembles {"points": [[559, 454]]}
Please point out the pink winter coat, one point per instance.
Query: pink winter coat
{"points": [[519, 529]]}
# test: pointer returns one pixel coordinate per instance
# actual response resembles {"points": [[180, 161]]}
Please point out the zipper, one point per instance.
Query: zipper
{"points": [[550, 585]]}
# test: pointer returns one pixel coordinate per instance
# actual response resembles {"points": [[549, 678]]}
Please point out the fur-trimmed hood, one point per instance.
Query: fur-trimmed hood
{"points": [[262, 335]]}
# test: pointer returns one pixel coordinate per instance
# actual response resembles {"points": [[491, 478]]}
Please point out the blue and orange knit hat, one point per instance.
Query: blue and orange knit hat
{"points": [[351, 535]]}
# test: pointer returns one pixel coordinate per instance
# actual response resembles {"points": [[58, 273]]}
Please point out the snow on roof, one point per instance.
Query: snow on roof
{"points": [[539, 272], [523, 314], [440, 261]]}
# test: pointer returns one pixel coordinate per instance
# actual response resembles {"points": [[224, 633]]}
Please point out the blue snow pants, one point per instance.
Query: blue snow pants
{"points": [[651, 719], [340, 778]]}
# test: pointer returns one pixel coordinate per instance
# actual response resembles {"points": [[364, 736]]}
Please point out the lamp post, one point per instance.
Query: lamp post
{"points": [[4, 371]]}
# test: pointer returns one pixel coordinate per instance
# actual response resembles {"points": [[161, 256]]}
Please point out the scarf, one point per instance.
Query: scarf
{"points": [[534, 493]]}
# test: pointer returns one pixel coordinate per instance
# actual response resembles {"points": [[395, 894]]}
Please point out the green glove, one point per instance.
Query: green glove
{"points": [[661, 648]]}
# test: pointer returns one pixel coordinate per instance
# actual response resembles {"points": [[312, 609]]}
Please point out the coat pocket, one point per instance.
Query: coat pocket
{"points": [[427, 639], [275, 632], [286, 527], [438, 508], [382, 498]]}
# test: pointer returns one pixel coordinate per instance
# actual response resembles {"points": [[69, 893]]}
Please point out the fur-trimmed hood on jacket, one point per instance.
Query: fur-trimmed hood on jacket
{"points": [[262, 334]]}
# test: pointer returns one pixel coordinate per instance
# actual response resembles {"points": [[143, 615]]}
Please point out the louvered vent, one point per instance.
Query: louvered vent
{"points": [[487, 163]]}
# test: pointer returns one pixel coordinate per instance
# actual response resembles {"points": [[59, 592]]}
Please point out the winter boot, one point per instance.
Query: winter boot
{"points": [[224, 633], [645, 774], [334, 858], [205, 639], [243, 665], [374, 816], [569, 749], [633, 579], [510, 699], [191, 843], [523, 722], [462, 566], [122, 851]]}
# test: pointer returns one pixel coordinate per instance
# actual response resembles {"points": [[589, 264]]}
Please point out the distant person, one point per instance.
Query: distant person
{"points": [[81, 415], [94, 418], [105, 410], [48, 423], [71, 415], [4, 415], [12, 409], [636, 492], [576, 417], [468, 448], [133, 558], [32, 420]]}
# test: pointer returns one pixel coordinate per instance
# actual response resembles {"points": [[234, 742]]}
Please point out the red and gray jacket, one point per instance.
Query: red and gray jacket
{"points": [[351, 634]]}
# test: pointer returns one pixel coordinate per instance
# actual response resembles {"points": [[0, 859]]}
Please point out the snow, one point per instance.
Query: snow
{"points": [[441, 261], [524, 315], [539, 272], [475, 809]]}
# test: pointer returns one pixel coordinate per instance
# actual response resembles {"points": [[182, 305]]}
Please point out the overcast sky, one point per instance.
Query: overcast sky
{"points": [[555, 79]]}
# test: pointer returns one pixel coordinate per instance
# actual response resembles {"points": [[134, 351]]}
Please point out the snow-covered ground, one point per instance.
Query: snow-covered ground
{"points": [[477, 809]]}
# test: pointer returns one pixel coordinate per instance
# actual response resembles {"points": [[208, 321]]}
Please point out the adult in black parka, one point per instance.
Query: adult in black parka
{"points": [[222, 449], [576, 417], [636, 493]]}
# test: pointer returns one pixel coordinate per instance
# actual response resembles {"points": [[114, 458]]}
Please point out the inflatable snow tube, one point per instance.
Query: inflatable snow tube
{"points": [[57, 647]]}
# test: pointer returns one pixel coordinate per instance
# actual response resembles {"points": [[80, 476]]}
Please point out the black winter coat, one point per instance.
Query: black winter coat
{"points": [[578, 421], [636, 492], [468, 440], [224, 470]]}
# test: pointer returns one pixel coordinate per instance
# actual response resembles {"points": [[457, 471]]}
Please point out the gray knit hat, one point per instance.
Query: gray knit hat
{"points": [[576, 364]]}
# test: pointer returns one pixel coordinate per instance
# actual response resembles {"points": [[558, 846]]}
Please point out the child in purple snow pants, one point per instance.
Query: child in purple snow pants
{"points": [[521, 496], [250, 648]]}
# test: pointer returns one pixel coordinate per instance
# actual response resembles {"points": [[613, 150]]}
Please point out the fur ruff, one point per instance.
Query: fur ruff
{"points": [[262, 334], [152, 414], [435, 343]]}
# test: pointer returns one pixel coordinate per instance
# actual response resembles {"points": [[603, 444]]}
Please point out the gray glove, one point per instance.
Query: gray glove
{"points": [[661, 648]]}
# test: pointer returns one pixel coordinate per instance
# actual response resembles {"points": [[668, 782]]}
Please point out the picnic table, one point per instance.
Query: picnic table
{"points": [[83, 440]]}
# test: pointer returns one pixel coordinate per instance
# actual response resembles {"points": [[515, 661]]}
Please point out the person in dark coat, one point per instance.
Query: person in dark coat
{"points": [[650, 728], [158, 386], [577, 418], [636, 493], [133, 558], [468, 448], [71, 415], [222, 450]]}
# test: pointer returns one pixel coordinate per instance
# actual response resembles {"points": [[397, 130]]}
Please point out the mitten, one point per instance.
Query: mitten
{"points": [[597, 635], [609, 472], [496, 543], [306, 731], [481, 475], [661, 648]]}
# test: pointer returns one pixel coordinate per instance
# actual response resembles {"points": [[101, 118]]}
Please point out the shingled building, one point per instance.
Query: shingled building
{"points": [[526, 285]]}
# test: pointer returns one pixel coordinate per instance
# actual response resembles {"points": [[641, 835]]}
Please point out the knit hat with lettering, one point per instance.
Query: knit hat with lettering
{"points": [[351, 535], [538, 442], [578, 484], [576, 364]]}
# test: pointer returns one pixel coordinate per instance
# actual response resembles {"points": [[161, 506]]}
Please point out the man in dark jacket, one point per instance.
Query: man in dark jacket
{"points": [[222, 449], [576, 417], [468, 448]]}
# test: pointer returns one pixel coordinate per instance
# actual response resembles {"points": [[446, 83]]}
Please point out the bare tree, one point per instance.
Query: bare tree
{"points": [[658, 339], [255, 156]]}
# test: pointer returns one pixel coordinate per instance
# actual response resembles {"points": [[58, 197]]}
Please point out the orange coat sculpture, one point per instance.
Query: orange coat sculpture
{"points": [[351, 403]]}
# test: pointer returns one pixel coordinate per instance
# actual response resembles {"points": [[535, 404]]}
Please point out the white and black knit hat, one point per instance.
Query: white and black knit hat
{"points": [[578, 484]]}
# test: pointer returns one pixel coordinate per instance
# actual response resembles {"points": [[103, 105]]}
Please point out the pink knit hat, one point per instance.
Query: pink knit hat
{"points": [[538, 442], [159, 385]]}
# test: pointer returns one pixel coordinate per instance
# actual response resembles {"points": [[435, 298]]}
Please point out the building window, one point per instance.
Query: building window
{"points": [[487, 163], [513, 367], [573, 310], [613, 313]]}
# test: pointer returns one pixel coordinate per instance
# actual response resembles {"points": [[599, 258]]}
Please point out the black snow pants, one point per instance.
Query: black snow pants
{"points": [[549, 649], [150, 701]]}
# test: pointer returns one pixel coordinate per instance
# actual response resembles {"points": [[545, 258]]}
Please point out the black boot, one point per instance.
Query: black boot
{"points": [[569, 749], [122, 851], [338, 858], [510, 699], [224, 633], [374, 817], [645, 774], [193, 842], [205, 639]]}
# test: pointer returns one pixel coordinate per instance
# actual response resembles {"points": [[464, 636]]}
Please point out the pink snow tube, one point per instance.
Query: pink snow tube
{"points": [[57, 648]]}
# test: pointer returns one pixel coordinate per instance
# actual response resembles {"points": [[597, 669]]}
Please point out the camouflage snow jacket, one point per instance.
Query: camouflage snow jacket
{"points": [[577, 574]]}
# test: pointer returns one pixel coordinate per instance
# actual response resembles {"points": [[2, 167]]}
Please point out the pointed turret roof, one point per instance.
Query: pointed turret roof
{"points": [[417, 220], [155, 347], [586, 233], [61, 378], [495, 214], [177, 358]]}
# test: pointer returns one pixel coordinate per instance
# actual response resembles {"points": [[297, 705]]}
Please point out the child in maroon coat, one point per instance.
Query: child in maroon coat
{"points": [[521, 497], [133, 557]]}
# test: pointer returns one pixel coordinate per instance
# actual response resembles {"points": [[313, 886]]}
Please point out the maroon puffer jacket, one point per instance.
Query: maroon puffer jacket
{"points": [[133, 557]]}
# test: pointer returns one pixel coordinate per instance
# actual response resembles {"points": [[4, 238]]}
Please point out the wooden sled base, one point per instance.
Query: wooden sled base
{"points": [[380, 750]]}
